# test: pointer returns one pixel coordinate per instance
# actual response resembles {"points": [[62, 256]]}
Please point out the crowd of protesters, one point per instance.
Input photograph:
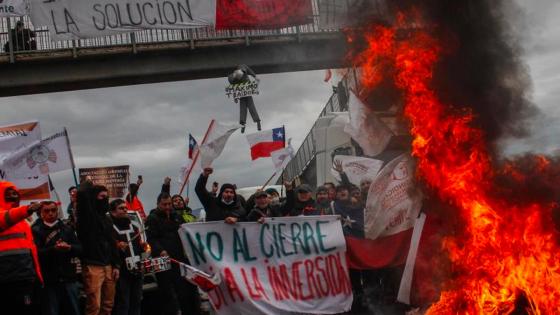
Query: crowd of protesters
{"points": [[95, 241]]}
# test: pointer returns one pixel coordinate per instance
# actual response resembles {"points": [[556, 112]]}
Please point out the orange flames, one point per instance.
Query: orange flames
{"points": [[507, 257]]}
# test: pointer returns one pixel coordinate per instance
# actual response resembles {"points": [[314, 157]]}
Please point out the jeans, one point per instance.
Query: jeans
{"points": [[61, 295], [128, 297], [99, 287]]}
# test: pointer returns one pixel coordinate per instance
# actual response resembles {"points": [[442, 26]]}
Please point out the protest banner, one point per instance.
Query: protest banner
{"points": [[13, 8], [13, 138], [357, 168], [394, 201], [283, 266], [115, 178], [71, 19], [239, 90]]}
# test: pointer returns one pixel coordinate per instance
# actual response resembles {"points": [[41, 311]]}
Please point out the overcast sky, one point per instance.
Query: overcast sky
{"points": [[146, 126]]}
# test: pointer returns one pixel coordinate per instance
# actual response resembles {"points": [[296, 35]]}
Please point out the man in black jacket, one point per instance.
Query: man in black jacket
{"points": [[264, 208], [128, 297], [57, 245], [177, 295], [224, 207], [305, 205], [100, 259]]}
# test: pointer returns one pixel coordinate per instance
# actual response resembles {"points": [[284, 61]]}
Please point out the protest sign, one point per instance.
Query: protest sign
{"points": [[13, 138], [393, 201], [13, 8], [357, 168], [262, 14], [284, 266], [115, 178], [70, 19], [239, 90]]}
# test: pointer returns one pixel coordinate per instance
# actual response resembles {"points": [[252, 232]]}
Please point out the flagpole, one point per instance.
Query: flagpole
{"points": [[71, 158], [268, 181], [196, 156]]}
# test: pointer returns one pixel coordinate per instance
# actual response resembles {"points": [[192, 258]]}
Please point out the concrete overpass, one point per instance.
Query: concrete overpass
{"points": [[96, 67], [151, 56]]}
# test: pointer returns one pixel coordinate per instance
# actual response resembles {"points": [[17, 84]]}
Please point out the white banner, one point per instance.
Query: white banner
{"points": [[13, 8], [70, 19], [12, 138], [40, 158], [357, 168], [393, 201], [284, 266], [216, 141], [366, 128]]}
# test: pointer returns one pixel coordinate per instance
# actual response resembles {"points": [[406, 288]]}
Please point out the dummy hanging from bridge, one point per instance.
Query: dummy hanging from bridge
{"points": [[241, 90]]}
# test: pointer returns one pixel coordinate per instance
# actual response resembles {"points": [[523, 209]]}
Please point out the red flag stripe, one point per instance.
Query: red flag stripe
{"points": [[380, 253], [263, 149]]}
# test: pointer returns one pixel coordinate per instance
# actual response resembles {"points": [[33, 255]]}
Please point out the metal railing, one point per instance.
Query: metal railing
{"points": [[38, 40], [307, 151]]}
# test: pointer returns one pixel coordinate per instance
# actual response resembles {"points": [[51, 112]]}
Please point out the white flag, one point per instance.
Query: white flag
{"points": [[393, 201], [42, 157], [281, 158], [366, 128], [215, 142]]}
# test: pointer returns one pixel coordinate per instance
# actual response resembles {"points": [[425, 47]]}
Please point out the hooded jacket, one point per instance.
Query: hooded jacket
{"points": [[95, 229], [216, 209], [19, 261]]}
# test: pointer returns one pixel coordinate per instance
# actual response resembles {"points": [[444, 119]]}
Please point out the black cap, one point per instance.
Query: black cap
{"points": [[261, 194], [304, 188]]}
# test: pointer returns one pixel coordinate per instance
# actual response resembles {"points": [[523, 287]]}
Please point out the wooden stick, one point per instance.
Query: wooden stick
{"points": [[196, 157], [268, 181]]}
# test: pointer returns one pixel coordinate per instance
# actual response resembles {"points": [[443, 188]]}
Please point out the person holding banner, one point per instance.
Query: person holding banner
{"points": [[19, 263], [100, 259], [264, 208], [227, 206], [177, 295]]}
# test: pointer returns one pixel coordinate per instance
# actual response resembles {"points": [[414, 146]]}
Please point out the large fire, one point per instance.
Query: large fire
{"points": [[507, 257]]}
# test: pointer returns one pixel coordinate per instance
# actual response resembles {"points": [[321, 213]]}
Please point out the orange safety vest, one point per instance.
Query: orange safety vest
{"points": [[16, 237], [136, 205]]}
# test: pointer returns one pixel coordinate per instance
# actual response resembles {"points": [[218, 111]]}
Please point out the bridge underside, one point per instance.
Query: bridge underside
{"points": [[87, 68]]}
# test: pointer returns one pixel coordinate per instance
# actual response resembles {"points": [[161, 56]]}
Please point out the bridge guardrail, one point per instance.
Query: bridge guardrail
{"points": [[43, 42]]}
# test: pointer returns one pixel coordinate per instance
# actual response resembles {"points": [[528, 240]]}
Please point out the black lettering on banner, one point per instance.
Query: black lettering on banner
{"points": [[130, 14], [167, 4], [2, 174], [97, 8], [146, 16], [109, 18], [186, 10], [70, 21], [159, 12]]}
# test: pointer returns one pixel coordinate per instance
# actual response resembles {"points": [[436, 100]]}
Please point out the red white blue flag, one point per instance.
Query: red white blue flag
{"points": [[193, 146], [265, 142]]}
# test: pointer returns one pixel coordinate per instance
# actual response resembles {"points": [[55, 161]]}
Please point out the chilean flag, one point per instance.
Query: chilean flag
{"points": [[264, 142], [193, 146]]}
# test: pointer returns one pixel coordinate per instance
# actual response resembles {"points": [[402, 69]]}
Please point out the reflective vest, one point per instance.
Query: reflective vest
{"points": [[17, 248]]}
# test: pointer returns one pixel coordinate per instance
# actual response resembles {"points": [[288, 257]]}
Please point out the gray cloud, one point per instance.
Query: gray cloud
{"points": [[146, 126]]}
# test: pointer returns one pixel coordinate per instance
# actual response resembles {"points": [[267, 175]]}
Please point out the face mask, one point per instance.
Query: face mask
{"points": [[50, 224], [227, 202], [102, 205]]}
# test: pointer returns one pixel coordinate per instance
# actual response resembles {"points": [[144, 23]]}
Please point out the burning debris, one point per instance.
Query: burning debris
{"points": [[457, 71]]}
